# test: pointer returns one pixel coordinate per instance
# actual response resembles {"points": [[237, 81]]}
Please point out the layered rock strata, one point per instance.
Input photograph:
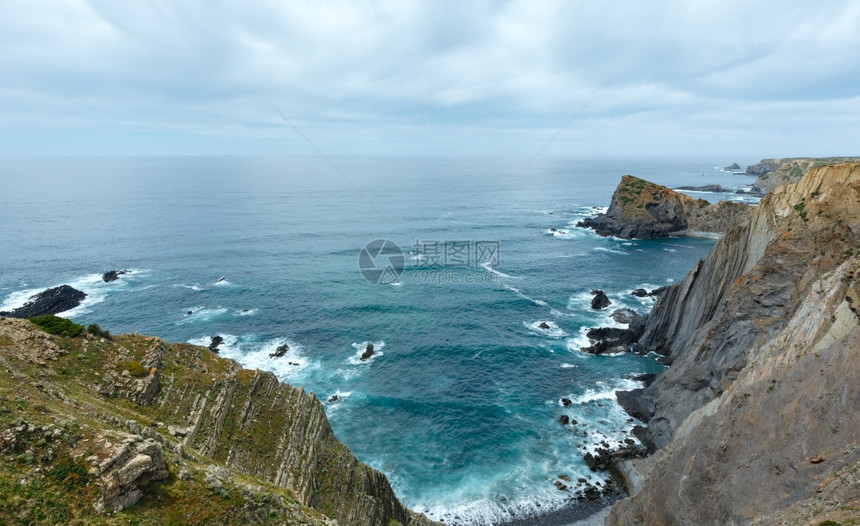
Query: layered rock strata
{"points": [[641, 209], [756, 420]]}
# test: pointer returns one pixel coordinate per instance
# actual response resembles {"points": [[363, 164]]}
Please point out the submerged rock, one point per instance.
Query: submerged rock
{"points": [[113, 275], [51, 301]]}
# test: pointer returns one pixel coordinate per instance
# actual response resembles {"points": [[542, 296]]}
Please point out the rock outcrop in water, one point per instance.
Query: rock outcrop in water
{"points": [[756, 420], [94, 425], [113, 275], [51, 301], [644, 210]]}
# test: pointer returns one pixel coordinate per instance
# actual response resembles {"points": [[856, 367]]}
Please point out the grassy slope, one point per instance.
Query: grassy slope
{"points": [[50, 383]]}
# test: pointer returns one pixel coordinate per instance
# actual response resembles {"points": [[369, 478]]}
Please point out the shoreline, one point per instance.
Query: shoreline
{"points": [[577, 513]]}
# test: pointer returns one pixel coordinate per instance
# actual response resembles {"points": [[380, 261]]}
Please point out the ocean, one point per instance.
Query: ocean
{"points": [[473, 287]]}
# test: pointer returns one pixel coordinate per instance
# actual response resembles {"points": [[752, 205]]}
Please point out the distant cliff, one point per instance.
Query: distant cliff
{"points": [[756, 421], [641, 209], [170, 433], [779, 172]]}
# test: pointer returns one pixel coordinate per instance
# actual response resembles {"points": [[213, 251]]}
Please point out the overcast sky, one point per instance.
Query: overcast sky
{"points": [[759, 78]]}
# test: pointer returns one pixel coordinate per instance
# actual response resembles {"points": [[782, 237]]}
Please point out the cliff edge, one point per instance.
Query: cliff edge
{"points": [[641, 209], [756, 420], [168, 433], [771, 173]]}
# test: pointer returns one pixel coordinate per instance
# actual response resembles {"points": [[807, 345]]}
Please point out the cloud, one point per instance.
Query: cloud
{"points": [[426, 75]]}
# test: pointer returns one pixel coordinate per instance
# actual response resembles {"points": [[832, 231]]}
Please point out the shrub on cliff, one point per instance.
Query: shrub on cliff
{"points": [[57, 326], [95, 330]]}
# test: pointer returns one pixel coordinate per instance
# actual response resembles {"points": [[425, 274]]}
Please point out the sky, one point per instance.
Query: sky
{"points": [[193, 77]]}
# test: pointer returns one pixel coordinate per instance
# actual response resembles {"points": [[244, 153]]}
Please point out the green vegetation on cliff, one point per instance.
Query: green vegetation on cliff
{"points": [[642, 209], [167, 434]]}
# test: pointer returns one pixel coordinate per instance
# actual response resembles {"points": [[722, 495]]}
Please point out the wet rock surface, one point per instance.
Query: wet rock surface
{"points": [[51, 301]]}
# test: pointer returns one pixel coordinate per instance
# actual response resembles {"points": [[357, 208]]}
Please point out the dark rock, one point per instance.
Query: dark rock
{"points": [[733, 166], [636, 404], [189, 313], [625, 315], [614, 339], [221, 279], [333, 398], [560, 485], [112, 275], [51, 301], [641, 293], [599, 301], [214, 343], [659, 291], [566, 402], [565, 478], [368, 352], [280, 351], [706, 188], [592, 493], [644, 436], [646, 378], [564, 419], [543, 325], [599, 460]]}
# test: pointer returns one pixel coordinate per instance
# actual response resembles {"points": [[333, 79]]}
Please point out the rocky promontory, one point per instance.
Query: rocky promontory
{"points": [[756, 420], [135, 430], [51, 301], [644, 210]]}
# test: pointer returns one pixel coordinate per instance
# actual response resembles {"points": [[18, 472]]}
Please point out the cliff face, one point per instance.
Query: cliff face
{"points": [[772, 173], [640, 209], [757, 416], [182, 414]]}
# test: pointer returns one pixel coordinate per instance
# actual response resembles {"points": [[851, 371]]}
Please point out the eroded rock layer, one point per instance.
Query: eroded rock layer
{"points": [[757, 418]]}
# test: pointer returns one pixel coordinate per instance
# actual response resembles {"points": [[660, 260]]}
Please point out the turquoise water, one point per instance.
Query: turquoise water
{"points": [[459, 405]]}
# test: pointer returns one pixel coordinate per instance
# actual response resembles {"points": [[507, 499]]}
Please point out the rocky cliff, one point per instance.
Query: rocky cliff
{"points": [[641, 209], [756, 420], [779, 172], [169, 431]]}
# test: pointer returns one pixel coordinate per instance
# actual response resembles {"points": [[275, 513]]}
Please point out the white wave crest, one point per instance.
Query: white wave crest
{"points": [[355, 358], [552, 330]]}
